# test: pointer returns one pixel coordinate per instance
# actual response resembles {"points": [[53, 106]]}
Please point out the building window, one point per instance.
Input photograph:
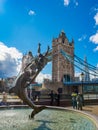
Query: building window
{"points": [[66, 78], [63, 40]]}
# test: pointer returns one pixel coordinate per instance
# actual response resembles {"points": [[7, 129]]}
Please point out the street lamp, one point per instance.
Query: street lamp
{"points": [[82, 76]]}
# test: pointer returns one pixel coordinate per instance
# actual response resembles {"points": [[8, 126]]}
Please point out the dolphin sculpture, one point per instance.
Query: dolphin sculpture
{"points": [[28, 75]]}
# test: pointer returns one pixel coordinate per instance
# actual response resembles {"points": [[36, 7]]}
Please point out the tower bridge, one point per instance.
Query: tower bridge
{"points": [[64, 62]]}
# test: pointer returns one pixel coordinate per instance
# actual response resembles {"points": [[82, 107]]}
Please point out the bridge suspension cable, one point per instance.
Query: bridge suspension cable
{"points": [[79, 63], [82, 62]]}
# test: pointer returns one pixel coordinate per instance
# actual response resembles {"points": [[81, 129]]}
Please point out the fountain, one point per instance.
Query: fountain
{"points": [[49, 118]]}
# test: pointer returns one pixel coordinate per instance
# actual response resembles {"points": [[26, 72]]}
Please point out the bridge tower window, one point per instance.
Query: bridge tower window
{"points": [[66, 78]]}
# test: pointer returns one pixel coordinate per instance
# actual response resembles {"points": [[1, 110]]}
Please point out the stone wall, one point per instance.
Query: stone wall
{"points": [[49, 85]]}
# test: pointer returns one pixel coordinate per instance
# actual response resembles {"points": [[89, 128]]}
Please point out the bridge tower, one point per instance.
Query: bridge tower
{"points": [[62, 69]]}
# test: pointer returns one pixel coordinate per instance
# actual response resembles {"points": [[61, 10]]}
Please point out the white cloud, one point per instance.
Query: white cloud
{"points": [[66, 2], [77, 74], [76, 3], [31, 12], [40, 78], [83, 37], [96, 18], [96, 49], [94, 38], [10, 62]]}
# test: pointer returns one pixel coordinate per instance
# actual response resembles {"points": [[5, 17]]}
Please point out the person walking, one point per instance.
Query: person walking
{"points": [[51, 97], [4, 98], [79, 102], [57, 98], [74, 101]]}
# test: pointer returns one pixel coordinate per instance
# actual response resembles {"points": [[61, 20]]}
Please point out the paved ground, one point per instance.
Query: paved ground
{"points": [[91, 109]]}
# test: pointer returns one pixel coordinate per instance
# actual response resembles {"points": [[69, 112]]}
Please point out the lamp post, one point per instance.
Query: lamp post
{"points": [[82, 76]]}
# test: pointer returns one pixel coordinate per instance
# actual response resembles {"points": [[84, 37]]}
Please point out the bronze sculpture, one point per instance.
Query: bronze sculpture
{"points": [[28, 73]]}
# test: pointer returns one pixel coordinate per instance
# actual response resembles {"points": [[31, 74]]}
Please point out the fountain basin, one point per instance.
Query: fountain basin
{"points": [[48, 119]]}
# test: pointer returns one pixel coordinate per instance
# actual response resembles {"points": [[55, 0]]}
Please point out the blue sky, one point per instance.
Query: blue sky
{"points": [[25, 23]]}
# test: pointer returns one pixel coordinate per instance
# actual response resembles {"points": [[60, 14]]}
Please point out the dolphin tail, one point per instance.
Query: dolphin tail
{"points": [[37, 110]]}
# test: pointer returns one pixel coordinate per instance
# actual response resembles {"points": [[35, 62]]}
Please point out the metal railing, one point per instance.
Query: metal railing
{"points": [[90, 96]]}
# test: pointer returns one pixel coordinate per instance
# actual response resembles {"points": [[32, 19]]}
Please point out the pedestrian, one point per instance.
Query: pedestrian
{"points": [[58, 99], [82, 100], [51, 97], [74, 101], [4, 98], [79, 102]]}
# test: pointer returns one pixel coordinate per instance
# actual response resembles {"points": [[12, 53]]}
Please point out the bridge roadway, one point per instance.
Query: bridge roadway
{"points": [[85, 83], [74, 83], [79, 83]]}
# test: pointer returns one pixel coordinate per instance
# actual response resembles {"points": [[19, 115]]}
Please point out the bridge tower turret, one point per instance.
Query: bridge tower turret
{"points": [[62, 69]]}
